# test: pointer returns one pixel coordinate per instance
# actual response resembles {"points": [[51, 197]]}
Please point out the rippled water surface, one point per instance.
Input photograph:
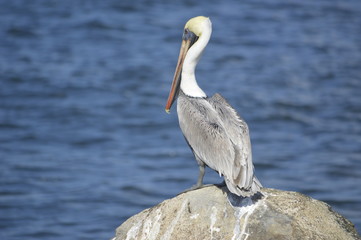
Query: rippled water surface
{"points": [[84, 139]]}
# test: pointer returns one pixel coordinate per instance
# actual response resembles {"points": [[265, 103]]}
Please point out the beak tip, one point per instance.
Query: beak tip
{"points": [[167, 110]]}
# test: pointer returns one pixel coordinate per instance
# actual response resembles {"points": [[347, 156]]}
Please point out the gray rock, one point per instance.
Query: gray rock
{"points": [[207, 213]]}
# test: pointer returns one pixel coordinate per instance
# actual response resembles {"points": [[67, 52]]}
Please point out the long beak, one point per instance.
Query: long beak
{"points": [[173, 94]]}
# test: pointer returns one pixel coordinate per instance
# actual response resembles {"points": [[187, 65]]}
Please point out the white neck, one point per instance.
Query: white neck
{"points": [[189, 83]]}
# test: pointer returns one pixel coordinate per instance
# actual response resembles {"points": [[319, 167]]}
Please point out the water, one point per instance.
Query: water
{"points": [[84, 139]]}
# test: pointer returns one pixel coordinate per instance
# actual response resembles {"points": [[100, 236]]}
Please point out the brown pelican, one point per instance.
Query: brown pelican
{"points": [[217, 135]]}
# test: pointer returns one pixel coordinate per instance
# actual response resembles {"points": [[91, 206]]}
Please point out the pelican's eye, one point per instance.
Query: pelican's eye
{"points": [[188, 35]]}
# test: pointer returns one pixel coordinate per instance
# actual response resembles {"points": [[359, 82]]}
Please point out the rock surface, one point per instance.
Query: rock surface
{"points": [[207, 213]]}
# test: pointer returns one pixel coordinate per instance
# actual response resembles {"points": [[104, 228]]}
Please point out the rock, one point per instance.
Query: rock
{"points": [[207, 213]]}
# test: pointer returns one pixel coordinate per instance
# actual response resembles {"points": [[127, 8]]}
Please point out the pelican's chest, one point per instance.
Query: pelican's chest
{"points": [[194, 113]]}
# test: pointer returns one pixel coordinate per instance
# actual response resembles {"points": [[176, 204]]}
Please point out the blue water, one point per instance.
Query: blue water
{"points": [[84, 139]]}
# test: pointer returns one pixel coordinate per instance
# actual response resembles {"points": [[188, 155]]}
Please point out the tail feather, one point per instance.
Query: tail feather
{"points": [[255, 187]]}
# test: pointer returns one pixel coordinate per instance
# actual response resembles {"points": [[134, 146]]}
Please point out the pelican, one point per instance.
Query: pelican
{"points": [[217, 135]]}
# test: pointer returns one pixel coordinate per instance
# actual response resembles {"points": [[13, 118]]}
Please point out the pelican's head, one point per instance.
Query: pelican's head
{"points": [[193, 30], [196, 25]]}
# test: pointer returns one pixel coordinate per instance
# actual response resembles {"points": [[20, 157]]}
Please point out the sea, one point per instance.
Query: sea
{"points": [[85, 142]]}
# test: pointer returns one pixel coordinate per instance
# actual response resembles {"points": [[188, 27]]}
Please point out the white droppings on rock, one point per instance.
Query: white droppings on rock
{"points": [[167, 235], [133, 231], [146, 228], [225, 214], [213, 221], [151, 227], [156, 225], [243, 213], [194, 216]]}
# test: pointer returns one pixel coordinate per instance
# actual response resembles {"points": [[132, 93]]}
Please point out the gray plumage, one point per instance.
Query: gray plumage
{"points": [[219, 139]]}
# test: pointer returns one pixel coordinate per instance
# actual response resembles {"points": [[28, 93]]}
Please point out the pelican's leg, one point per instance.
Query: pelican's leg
{"points": [[202, 170]]}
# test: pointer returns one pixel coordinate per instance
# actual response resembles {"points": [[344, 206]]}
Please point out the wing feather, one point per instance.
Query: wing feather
{"points": [[219, 137], [238, 132], [205, 133]]}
